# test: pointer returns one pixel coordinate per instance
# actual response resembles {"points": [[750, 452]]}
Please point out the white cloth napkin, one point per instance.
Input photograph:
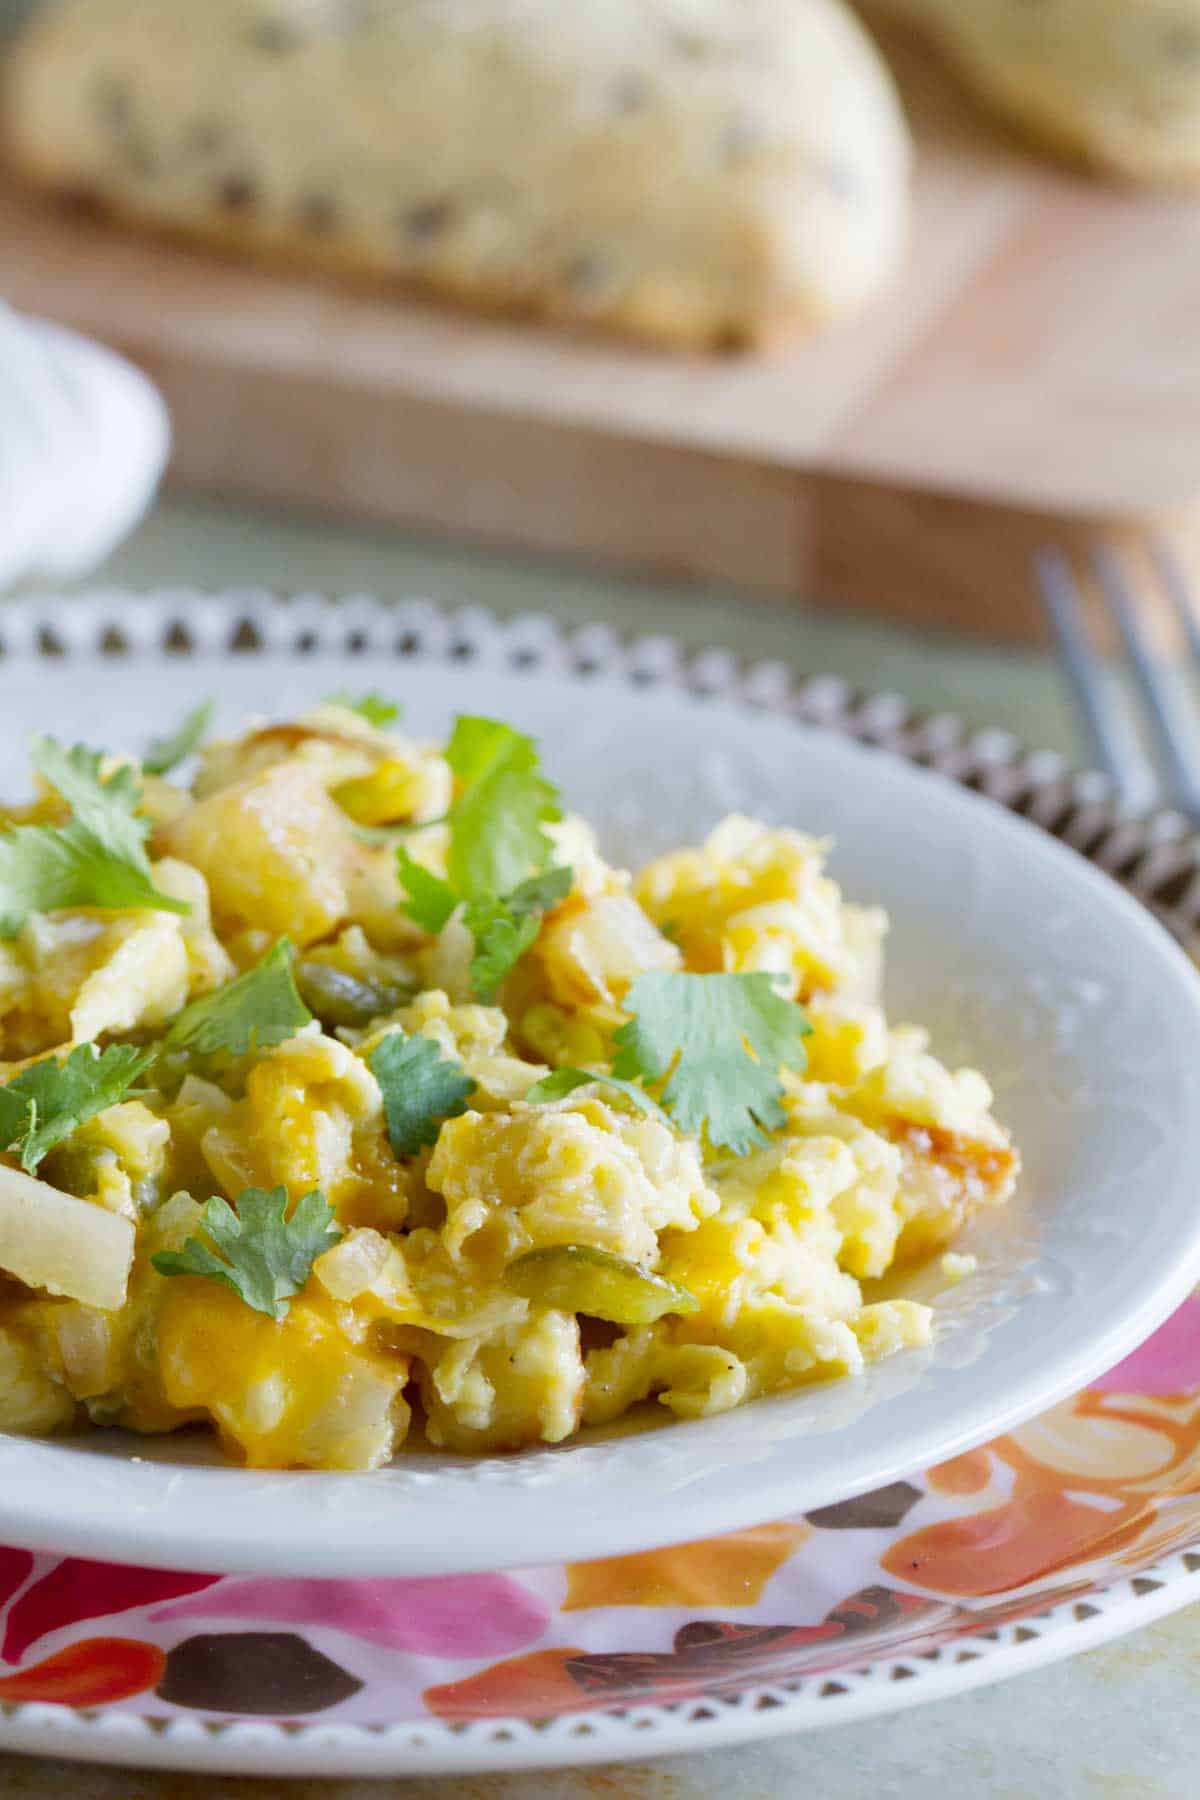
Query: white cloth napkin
{"points": [[83, 444]]}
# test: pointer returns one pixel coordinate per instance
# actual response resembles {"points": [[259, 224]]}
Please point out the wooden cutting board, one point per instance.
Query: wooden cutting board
{"points": [[1034, 376]]}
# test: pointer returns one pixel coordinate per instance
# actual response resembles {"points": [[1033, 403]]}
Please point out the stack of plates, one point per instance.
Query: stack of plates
{"points": [[1023, 1488], [83, 444]]}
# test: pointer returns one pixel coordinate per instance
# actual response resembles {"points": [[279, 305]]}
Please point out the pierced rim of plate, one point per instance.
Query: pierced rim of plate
{"points": [[1156, 856], [709, 1722]]}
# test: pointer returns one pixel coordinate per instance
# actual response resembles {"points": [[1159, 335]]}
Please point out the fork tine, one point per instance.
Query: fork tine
{"points": [[1180, 593], [1168, 707], [1114, 745]]}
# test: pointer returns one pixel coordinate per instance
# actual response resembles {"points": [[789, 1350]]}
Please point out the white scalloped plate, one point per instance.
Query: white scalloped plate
{"points": [[1020, 956], [399, 1677]]}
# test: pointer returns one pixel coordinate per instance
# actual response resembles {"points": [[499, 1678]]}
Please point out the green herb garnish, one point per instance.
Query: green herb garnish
{"points": [[375, 708], [421, 1089], [165, 753], [260, 1252], [503, 929], [721, 1040], [97, 859], [561, 1082], [496, 862], [261, 1008], [49, 1100]]}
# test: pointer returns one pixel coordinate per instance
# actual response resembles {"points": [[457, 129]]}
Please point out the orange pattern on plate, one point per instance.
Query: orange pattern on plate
{"points": [[91, 1672], [727, 1571], [1099, 1477], [966, 1474], [531, 1687]]}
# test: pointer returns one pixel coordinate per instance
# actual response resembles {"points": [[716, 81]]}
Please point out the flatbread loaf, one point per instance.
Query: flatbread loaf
{"points": [[1114, 82], [693, 171]]}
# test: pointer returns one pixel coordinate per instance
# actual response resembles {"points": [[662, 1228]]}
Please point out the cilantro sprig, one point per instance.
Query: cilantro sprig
{"points": [[374, 707], [721, 1041], [497, 823], [166, 753], [260, 1251], [97, 859], [430, 899], [258, 1009], [498, 854], [561, 1082], [49, 1100], [421, 1089], [504, 928]]}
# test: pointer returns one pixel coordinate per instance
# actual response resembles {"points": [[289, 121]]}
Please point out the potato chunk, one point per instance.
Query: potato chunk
{"points": [[276, 853], [50, 1240], [592, 950]]}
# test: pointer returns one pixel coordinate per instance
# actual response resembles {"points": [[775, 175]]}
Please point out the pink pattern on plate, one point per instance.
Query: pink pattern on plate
{"points": [[15, 1565], [76, 1589], [1167, 1363], [452, 1616]]}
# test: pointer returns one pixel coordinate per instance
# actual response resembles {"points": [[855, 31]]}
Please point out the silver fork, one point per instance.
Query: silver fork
{"points": [[1172, 775]]}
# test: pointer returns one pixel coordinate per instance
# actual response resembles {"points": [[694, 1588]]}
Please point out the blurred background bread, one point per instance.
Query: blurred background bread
{"points": [[707, 172], [1114, 82], [697, 173]]}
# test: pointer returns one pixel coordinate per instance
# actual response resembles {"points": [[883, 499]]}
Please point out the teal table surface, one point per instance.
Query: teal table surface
{"points": [[1116, 1724]]}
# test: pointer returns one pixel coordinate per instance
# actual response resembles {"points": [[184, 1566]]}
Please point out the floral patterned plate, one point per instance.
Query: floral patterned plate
{"points": [[1074, 1527], [1077, 1526]]}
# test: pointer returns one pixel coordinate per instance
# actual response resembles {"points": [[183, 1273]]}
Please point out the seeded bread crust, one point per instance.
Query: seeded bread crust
{"points": [[692, 171], [1112, 83]]}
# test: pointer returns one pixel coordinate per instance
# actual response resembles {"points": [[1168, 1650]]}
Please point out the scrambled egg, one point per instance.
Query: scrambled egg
{"points": [[409, 1314]]}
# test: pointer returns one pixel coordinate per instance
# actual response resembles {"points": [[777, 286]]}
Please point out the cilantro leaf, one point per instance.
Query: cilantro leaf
{"points": [[48, 1101], [263, 1255], [374, 707], [478, 747], [561, 1082], [98, 859], [430, 899], [504, 928], [496, 835], [501, 938], [496, 823], [106, 807], [541, 892], [496, 861], [262, 1007], [165, 753], [45, 867], [393, 834], [421, 1088], [722, 1039]]}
